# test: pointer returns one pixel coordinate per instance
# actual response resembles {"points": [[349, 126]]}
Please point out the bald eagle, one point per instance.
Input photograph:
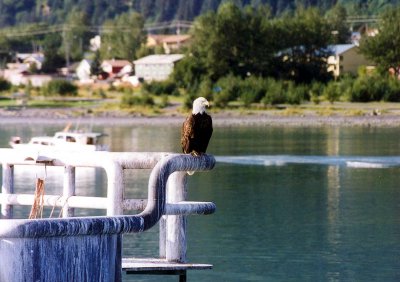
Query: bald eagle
{"points": [[197, 129]]}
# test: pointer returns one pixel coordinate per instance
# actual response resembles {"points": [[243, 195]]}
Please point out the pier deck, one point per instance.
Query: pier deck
{"points": [[159, 266]]}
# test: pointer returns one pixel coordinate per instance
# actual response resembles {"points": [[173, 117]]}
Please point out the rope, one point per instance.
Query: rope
{"points": [[37, 207], [54, 206], [62, 208]]}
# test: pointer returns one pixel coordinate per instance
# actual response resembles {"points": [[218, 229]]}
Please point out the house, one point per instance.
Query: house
{"points": [[32, 59], [116, 68], [38, 80], [83, 71], [346, 58], [18, 73], [167, 41], [15, 75], [69, 71], [22, 77], [156, 67]]}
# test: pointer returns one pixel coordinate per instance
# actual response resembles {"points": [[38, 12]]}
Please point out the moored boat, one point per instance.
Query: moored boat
{"points": [[63, 140]]}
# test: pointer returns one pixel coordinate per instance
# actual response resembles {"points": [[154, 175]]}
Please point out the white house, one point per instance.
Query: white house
{"points": [[156, 67], [22, 77], [83, 71], [36, 59]]}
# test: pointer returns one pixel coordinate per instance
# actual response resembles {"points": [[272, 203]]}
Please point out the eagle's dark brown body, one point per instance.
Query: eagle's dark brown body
{"points": [[196, 133]]}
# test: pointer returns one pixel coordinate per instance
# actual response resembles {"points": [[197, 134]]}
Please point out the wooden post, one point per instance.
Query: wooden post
{"points": [[68, 190], [176, 224], [7, 188]]}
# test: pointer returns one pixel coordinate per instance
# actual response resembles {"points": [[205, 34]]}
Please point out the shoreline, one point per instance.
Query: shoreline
{"points": [[221, 118]]}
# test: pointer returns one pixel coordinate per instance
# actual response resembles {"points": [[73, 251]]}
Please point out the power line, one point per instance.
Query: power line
{"points": [[94, 28], [362, 19]]}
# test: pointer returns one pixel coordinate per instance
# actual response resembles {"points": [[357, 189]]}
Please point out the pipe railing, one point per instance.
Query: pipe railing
{"points": [[113, 163], [166, 195]]}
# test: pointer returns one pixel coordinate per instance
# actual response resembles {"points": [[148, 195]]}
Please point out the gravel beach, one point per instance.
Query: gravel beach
{"points": [[220, 118]]}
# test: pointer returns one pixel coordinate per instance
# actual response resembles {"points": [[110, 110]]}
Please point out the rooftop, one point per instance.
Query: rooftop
{"points": [[159, 59]]}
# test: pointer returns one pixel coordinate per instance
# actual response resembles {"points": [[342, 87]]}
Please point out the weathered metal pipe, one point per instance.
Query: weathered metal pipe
{"points": [[7, 187], [68, 189], [84, 249], [112, 162]]}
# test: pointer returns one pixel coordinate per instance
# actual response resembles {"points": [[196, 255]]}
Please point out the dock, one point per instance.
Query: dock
{"points": [[31, 245], [157, 266]]}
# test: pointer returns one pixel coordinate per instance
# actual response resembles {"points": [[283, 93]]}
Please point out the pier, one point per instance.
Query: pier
{"points": [[90, 248]]}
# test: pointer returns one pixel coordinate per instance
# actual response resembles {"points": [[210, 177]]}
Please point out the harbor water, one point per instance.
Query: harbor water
{"points": [[293, 203]]}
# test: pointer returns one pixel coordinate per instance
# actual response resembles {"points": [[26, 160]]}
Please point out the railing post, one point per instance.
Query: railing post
{"points": [[7, 188], [175, 245], [115, 189], [68, 189], [163, 236]]}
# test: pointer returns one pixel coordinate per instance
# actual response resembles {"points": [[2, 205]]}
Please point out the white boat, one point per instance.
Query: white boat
{"points": [[63, 140]]}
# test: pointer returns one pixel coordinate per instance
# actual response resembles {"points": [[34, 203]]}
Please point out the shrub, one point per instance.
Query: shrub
{"points": [[164, 101], [252, 90], [4, 85], [393, 93], [129, 99], [226, 89], [345, 85], [296, 93], [205, 89], [360, 91], [275, 93], [369, 88], [60, 87], [315, 92], [332, 92], [159, 88], [100, 93]]}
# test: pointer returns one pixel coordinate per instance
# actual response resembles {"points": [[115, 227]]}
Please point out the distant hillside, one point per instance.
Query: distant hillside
{"points": [[17, 12]]}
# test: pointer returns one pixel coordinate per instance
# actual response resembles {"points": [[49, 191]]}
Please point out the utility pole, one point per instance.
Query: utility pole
{"points": [[66, 46]]}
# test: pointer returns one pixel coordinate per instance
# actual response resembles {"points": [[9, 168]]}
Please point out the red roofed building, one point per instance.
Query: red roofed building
{"points": [[116, 68]]}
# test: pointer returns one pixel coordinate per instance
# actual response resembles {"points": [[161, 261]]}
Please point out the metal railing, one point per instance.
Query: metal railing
{"points": [[166, 201]]}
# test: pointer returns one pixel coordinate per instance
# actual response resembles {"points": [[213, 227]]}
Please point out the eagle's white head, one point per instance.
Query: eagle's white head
{"points": [[199, 105]]}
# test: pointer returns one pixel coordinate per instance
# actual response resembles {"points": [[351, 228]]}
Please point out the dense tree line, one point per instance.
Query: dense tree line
{"points": [[122, 38], [18, 12], [241, 55], [247, 43]]}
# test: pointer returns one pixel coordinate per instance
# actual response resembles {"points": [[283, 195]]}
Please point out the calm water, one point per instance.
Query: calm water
{"points": [[293, 204]]}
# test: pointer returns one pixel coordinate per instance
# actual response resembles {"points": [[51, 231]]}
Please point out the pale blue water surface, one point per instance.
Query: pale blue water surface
{"points": [[293, 204]]}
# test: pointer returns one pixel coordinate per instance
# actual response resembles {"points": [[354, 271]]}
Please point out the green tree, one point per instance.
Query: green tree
{"points": [[304, 46], [96, 63], [123, 37], [231, 40], [4, 84], [75, 35], [275, 93], [339, 28], [53, 58], [331, 92], [60, 87], [5, 51], [383, 48]]}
